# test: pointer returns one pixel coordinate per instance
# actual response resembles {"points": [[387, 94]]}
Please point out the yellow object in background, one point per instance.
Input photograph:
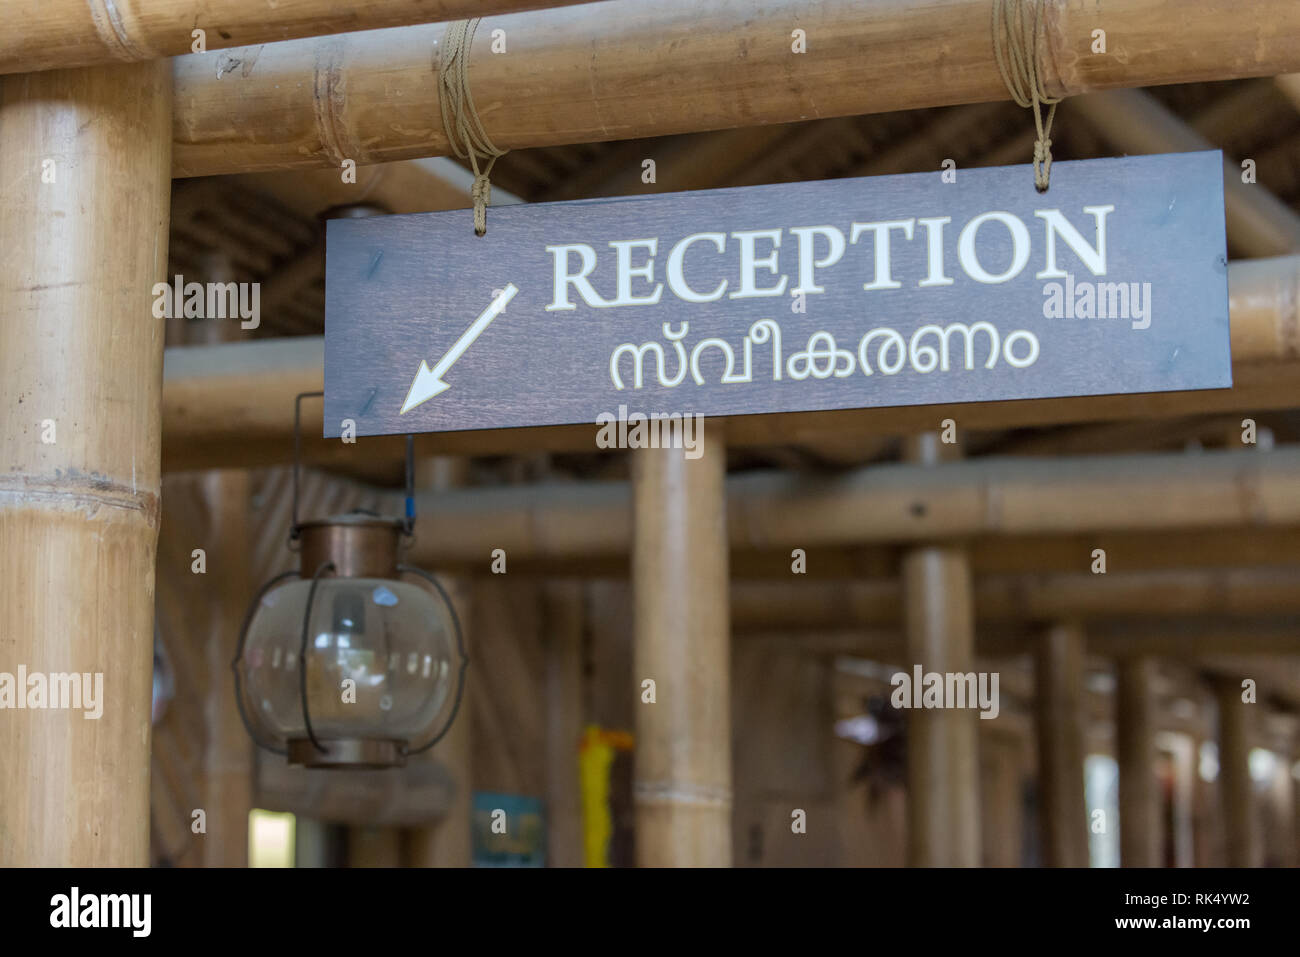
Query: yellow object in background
{"points": [[595, 757]]}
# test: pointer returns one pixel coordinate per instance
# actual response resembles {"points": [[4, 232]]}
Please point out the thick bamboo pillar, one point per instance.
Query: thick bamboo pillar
{"points": [[562, 638], [1061, 719], [1139, 823], [86, 163], [943, 775], [682, 635], [1236, 795]]}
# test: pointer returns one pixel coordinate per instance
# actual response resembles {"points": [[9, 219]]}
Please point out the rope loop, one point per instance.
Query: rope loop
{"points": [[460, 120], [1016, 27]]}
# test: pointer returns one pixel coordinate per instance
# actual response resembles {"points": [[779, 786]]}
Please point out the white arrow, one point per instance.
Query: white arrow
{"points": [[428, 382]]}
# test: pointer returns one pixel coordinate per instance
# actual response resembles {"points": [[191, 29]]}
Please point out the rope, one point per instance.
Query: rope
{"points": [[1015, 44], [460, 120]]}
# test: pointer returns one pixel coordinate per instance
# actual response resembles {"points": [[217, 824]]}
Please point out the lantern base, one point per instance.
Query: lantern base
{"points": [[350, 753]]}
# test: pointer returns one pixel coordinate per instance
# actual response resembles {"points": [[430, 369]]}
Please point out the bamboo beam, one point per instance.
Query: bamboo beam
{"points": [[813, 605], [413, 186], [415, 797], [232, 405], [1236, 792], [1202, 640], [626, 69], [1061, 718], [1139, 820], [1258, 223], [682, 643], [47, 34], [80, 371], [888, 503], [943, 818]]}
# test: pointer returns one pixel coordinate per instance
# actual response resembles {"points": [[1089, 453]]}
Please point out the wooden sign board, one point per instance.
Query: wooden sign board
{"points": [[887, 291]]}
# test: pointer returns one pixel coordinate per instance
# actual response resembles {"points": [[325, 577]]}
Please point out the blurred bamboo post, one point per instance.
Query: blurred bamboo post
{"points": [[1001, 797], [562, 641], [84, 197], [374, 846], [1236, 794], [682, 643], [943, 773], [451, 842], [228, 758], [1061, 718], [1139, 823]]}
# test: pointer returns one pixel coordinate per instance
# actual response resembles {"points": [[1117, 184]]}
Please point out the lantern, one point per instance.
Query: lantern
{"points": [[348, 661]]}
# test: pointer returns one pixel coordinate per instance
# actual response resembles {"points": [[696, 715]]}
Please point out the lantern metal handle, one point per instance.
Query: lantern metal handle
{"points": [[460, 649], [239, 656], [302, 655], [295, 527]]}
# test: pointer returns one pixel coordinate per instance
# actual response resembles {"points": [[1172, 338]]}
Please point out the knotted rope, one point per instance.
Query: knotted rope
{"points": [[460, 120], [1015, 44]]}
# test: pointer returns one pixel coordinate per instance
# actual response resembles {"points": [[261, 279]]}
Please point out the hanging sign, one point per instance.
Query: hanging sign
{"points": [[886, 291]]}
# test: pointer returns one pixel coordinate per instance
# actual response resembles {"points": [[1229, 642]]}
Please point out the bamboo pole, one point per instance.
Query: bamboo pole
{"points": [[49, 34], [370, 846], [450, 843], [1194, 639], [682, 785], [889, 503], [1061, 718], [226, 405], [943, 818], [1258, 223], [228, 762], [1139, 822], [1001, 798], [228, 758], [563, 617], [81, 369], [625, 69], [1236, 793]]}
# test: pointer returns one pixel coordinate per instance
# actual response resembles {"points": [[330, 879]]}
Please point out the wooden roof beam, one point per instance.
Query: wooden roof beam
{"points": [[47, 34], [813, 605], [886, 504], [624, 69]]}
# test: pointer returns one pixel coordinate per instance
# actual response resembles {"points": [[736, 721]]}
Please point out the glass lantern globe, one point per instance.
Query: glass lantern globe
{"points": [[349, 666]]}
